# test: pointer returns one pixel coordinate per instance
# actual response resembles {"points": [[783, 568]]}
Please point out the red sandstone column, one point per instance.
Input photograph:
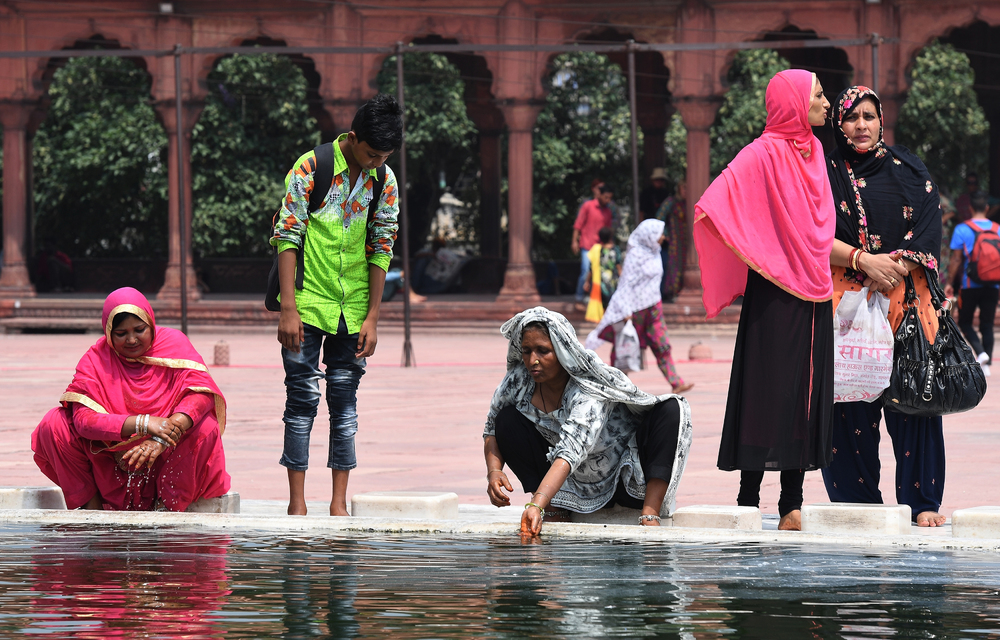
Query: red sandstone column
{"points": [[172, 278], [519, 280], [14, 280], [698, 114], [489, 154]]}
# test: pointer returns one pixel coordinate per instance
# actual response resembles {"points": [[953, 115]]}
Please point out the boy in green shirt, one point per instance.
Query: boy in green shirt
{"points": [[337, 309]]}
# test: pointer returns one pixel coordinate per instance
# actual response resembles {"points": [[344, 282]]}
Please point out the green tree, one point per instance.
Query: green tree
{"points": [[255, 124], [675, 143], [100, 184], [941, 120], [440, 137], [582, 133], [743, 114]]}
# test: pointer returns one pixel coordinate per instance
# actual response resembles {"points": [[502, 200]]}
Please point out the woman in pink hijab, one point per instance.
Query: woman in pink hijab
{"points": [[140, 426], [764, 230]]}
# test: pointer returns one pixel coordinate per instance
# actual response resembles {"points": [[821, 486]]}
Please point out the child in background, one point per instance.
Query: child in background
{"points": [[605, 267]]}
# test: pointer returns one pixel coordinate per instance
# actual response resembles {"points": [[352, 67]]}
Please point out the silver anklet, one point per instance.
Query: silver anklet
{"points": [[649, 518]]}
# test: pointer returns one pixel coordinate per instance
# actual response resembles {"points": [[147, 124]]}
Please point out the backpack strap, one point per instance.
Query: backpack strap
{"points": [[322, 179], [376, 193], [975, 227]]}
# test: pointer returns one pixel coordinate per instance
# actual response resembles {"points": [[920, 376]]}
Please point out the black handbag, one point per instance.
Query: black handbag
{"points": [[932, 380]]}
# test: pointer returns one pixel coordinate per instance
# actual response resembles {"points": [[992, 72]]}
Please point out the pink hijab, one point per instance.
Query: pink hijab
{"points": [[771, 208], [153, 383]]}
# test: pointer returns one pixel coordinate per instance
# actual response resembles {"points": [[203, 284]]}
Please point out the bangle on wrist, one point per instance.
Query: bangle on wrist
{"points": [[532, 504], [165, 444], [489, 473], [539, 493]]}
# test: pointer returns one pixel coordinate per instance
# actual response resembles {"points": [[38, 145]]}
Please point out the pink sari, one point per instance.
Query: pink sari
{"points": [[155, 383], [771, 209]]}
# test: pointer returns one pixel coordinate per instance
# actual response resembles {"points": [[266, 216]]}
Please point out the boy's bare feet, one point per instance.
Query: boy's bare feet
{"points": [[296, 493], [791, 521], [930, 519], [338, 504], [687, 386]]}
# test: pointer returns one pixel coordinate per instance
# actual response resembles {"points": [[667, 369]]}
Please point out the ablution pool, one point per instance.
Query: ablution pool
{"points": [[71, 581]]}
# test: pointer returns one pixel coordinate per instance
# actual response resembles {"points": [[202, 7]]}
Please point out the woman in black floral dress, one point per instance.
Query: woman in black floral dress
{"points": [[888, 225]]}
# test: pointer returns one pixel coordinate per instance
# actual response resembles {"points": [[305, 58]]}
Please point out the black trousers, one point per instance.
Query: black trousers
{"points": [[791, 490], [524, 449], [984, 299]]}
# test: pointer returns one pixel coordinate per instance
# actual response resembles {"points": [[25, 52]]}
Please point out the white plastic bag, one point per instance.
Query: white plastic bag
{"points": [[627, 349], [862, 347]]}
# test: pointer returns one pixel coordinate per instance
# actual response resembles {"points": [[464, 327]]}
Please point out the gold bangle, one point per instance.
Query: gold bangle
{"points": [[539, 493], [532, 504]]}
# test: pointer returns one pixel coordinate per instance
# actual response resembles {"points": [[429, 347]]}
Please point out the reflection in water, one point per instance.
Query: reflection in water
{"points": [[124, 582]]}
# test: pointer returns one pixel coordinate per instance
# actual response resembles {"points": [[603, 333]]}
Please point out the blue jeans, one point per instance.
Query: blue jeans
{"points": [[302, 375], [584, 273]]}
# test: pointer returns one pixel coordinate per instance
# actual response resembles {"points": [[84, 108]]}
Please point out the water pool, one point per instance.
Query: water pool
{"points": [[71, 581]]}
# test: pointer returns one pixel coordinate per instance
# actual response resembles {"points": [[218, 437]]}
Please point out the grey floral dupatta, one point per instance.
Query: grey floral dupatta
{"points": [[601, 383]]}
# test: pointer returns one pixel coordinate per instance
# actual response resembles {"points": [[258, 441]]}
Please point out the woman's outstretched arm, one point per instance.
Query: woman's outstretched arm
{"points": [[531, 519]]}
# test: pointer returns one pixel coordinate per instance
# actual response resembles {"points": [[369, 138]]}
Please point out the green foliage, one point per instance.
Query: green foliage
{"points": [[941, 120], [440, 137], [675, 142], [742, 116], [582, 133], [256, 123], [100, 182]]}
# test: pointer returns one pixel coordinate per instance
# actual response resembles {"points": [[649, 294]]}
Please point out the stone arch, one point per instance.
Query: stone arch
{"points": [[480, 106], [45, 68], [305, 63], [830, 64], [654, 105], [145, 274], [980, 41]]}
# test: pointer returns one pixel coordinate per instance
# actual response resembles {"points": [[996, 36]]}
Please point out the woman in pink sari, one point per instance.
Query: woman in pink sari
{"points": [[140, 426]]}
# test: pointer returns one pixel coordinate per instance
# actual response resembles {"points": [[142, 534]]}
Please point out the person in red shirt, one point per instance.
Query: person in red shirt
{"points": [[593, 215]]}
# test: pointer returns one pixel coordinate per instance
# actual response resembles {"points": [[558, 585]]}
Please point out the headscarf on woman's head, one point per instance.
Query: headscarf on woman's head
{"points": [[639, 283], [108, 382], [595, 378], [885, 198], [771, 209]]}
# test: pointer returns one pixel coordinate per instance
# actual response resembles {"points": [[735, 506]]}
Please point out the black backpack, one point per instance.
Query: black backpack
{"points": [[322, 179]]}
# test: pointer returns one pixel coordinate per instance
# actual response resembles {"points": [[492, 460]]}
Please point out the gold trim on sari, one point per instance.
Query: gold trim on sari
{"points": [[139, 312], [715, 232], [70, 396], [170, 363]]}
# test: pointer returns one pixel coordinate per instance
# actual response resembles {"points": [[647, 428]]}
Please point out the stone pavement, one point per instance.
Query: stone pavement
{"points": [[420, 427]]}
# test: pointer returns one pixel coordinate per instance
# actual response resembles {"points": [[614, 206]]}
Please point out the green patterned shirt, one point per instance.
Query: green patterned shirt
{"points": [[340, 244]]}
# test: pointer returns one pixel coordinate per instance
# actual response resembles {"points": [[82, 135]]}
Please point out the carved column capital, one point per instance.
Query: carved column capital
{"points": [[167, 110], [698, 112], [16, 114], [520, 115]]}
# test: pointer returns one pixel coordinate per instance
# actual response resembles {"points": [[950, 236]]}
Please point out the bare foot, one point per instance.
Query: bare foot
{"points": [[791, 521], [338, 510], [416, 297], [930, 519], [687, 386], [296, 509], [94, 503], [649, 522]]}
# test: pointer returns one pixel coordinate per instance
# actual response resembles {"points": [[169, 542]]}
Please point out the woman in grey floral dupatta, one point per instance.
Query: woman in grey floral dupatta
{"points": [[577, 433]]}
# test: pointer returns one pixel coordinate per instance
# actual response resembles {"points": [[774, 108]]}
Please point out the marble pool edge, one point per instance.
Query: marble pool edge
{"points": [[356, 526]]}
